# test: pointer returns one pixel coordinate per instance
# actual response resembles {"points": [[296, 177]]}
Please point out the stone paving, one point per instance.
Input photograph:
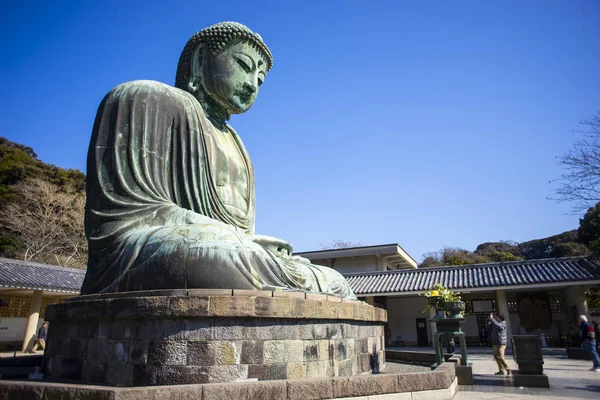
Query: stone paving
{"points": [[569, 379]]}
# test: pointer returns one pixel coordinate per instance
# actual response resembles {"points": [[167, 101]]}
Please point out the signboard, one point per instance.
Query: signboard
{"points": [[481, 306]]}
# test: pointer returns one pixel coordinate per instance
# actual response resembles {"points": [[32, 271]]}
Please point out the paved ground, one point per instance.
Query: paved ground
{"points": [[569, 379]]}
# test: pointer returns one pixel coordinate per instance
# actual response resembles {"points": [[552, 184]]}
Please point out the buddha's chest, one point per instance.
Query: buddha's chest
{"points": [[229, 170]]}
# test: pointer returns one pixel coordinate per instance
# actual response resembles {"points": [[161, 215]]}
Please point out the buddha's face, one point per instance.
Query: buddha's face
{"points": [[232, 78]]}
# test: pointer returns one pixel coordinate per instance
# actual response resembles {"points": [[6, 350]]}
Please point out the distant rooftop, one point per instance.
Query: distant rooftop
{"points": [[392, 253], [29, 275], [551, 271]]}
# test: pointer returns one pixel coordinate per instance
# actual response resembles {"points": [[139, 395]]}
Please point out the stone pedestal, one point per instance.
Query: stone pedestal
{"points": [[210, 336], [449, 326]]}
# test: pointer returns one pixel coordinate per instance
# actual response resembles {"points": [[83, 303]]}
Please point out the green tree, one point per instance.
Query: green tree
{"points": [[589, 229], [503, 256], [569, 249]]}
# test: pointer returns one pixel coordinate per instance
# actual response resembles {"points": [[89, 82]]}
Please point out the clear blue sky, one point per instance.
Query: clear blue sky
{"points": [[425, 123]]}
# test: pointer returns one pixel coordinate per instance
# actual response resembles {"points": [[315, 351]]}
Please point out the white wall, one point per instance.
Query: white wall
{"points": [[13, 329], [349, 265], [402, 315]]}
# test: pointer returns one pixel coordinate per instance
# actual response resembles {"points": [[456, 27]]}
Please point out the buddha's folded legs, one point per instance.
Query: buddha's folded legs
{"points": [[211, 256]]}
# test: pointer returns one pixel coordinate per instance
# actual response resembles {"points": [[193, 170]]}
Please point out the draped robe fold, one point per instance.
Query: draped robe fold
{"points": [[154, 219]]}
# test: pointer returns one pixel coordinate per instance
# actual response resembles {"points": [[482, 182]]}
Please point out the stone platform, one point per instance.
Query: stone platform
{"points": [[440, 384], [172, 337]]}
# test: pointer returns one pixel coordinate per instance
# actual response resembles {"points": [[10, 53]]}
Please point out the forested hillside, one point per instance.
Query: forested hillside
{"points": [[41, 209]]}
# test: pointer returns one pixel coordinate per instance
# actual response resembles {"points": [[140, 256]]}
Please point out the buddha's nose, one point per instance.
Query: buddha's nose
{"points": [[250, 88]]}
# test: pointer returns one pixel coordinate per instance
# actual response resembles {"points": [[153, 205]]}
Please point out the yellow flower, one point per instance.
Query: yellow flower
{"points": [[435, 293]]}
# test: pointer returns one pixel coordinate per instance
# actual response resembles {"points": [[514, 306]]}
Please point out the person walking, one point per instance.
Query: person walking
{"points": [[597, 333], [588, 341], [499, 340], [41, 338]]}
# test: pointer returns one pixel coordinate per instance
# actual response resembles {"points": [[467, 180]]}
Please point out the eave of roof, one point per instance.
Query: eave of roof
{"points": [[554, 271], [383, 249], [27, 275]]}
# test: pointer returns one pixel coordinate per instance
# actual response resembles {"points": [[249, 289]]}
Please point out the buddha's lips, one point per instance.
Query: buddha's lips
{"points": [[244, 96]]}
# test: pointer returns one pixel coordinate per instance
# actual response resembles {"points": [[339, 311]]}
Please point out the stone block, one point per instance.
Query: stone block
{"points": [[138, 351], [199, 329], [227, 373], [228, 329], [327, 331], [325, 310], [231, 306], [123, 329], [419, 381], [371, 384], [363, 362], [150, 329], [201, 353], [77, 310], [100, 350], [119, 374], [273, 351], [295, 370], [77, 348], [252, 293], [314, 369], [310, 350], [182, 375], [368, 312], [103, 329], [71, 369], [209, 292], [120, 351], [464, 373], [293, 351], [324, 350], [278, 371], [145, 375], [228, 352], [189, 306], [344, 368], [283, 330], [246, 390], [527, 380], [316, 297], [252, 352], [304, 329], [345, 311], [273, 307], [309, 389], [357, 311], [94, 372], [301, 308], [167, 352], [173, 329], [136, 307], [259, 371]]}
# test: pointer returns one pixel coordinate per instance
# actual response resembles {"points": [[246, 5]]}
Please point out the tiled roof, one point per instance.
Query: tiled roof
{"points": [[31, 275], [522, 273]]}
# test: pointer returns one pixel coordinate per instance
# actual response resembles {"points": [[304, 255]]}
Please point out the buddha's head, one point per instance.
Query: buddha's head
{"points": [[224, 66]]}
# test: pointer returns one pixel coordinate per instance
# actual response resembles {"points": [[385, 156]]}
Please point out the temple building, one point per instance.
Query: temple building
{"points": [[542, 297], [26, 288]]}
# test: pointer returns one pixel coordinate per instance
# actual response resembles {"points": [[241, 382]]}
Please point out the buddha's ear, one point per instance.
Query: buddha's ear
{"points": [[196, 68]]}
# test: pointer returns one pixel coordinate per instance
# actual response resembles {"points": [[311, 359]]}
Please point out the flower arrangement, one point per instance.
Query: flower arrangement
{"points": [[439, 296]]}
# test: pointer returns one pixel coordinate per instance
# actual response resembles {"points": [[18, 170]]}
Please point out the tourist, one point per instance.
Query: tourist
{"points": [[41, 338], [499, 338], [588, 340], [597, 333]]}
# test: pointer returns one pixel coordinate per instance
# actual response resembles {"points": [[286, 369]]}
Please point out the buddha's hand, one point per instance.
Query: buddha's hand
{"points": [[279, 247]]}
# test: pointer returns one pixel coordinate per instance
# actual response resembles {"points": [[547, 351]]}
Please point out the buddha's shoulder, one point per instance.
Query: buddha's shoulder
{"points": [[147, 90]]}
